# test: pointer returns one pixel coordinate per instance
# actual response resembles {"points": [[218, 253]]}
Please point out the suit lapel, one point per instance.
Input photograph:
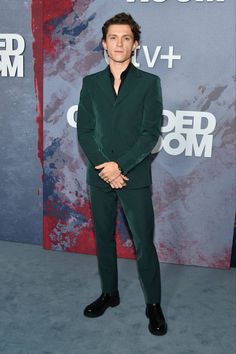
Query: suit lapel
{"points": [[129, 84], [104, 83]]}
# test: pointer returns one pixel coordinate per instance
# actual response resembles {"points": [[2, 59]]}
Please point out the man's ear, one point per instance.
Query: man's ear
{"points": [[135, 45], [104, 44]]}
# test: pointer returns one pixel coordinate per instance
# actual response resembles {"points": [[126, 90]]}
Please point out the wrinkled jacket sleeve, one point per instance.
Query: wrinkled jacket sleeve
{"points": [[86, 127], [150, 129]]}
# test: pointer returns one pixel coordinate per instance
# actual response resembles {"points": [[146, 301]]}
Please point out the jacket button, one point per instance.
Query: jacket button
{"points": [[112, 150]]}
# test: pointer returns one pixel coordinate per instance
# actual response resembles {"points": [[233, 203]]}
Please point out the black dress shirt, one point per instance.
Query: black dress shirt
{"points": [[122, 76]]}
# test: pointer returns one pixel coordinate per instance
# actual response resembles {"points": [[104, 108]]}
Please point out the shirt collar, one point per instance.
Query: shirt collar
{"points": [[123, 74]]}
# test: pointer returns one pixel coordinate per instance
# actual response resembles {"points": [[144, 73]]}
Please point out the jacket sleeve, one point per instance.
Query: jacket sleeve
{"points": [[86, 128], [150, 129]]}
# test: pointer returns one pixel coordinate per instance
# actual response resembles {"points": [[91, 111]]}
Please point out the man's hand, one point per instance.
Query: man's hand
{"points": [[111, 174], [119, 182], [110, 170]]}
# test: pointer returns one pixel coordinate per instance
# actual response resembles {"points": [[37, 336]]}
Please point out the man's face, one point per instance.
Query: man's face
{"points": [[119, 43]]}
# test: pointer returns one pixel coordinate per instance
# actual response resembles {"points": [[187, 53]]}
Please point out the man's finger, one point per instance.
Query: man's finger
{"points": [[100, 166]]}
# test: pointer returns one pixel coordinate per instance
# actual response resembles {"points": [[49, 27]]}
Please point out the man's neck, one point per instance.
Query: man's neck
{"points": [[117, 68]]}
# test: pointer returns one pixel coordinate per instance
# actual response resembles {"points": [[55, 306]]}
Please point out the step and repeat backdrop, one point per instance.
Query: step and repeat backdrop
{"points": [[20, 168], [190, 45]]}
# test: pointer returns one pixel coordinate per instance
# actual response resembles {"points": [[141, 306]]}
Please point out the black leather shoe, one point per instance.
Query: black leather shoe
{"points": [[157, 324], [99, 306]]}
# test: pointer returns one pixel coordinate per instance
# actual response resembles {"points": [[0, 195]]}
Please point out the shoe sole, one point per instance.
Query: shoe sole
{"points": [[92, 315]]}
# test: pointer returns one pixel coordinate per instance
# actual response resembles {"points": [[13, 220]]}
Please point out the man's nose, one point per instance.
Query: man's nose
{"points": [[119, 42]]}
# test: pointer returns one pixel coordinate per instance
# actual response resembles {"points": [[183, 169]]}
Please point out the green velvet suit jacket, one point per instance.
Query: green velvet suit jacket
{"points": [[123, 129]]}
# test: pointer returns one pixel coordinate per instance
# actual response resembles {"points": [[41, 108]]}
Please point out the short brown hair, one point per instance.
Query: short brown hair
{"points": [[122, 18]]}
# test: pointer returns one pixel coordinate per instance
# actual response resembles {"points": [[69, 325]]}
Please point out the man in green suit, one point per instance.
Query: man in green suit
{"points": [[119, 123]]}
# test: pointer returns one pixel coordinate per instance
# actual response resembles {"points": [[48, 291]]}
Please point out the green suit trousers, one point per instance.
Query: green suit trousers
{"points": [[138, 209]]}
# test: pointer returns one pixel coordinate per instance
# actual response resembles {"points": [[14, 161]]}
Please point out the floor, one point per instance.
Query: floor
{"points": [[43, 293]]}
